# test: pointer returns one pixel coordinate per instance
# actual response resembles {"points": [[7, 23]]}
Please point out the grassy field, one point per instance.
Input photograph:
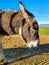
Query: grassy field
{"points": [[44, 31], [17, 53]]}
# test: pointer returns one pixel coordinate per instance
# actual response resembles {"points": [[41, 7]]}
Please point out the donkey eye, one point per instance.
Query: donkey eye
{"points": [[35, 27]]}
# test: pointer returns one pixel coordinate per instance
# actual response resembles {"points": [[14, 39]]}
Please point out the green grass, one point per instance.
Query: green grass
{"points": [[43, 31]]}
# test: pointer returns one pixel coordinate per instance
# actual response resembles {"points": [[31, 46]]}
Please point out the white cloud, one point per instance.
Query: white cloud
{"points": [[43, 22]]}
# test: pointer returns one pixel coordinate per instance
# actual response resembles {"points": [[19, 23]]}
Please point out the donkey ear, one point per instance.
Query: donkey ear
{"points": [[23, 10]]}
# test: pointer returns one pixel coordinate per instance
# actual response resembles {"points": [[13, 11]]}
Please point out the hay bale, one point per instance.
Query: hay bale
{"points": [[13, 41]]}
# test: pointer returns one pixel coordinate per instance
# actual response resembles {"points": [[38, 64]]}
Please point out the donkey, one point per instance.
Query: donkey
{"points": [[24, 23]]}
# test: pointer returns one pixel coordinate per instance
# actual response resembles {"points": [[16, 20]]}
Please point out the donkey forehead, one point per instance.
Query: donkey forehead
{"points": [[31, 23], [27, 25]]}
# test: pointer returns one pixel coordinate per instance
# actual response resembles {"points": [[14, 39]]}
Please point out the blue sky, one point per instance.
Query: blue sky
{"points": [[40, 8]]}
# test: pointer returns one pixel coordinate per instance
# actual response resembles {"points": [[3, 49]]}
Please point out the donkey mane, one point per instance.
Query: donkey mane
{"points": [[30, 14]]}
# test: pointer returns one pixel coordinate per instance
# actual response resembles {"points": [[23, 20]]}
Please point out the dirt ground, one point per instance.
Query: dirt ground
{"points": [[17, 53]]}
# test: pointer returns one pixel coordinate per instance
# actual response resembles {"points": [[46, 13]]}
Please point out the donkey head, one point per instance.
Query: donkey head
{"points": [[29, 29]]}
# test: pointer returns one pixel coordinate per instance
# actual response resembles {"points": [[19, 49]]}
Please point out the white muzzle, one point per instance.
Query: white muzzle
{"points": [[33, 44]]}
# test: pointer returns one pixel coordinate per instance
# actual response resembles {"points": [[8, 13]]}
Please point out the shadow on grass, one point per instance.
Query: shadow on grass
{"points": [[17, 54]]}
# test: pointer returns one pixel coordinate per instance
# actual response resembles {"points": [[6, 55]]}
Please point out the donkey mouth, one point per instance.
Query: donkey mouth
{"points": [[33, 43]]}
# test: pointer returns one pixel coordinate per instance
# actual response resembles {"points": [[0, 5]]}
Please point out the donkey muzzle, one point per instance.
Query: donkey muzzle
{"points": [[33, 43]]}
